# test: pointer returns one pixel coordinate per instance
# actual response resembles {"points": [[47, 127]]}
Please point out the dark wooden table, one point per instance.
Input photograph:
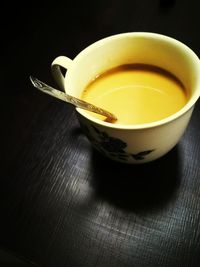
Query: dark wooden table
{"points": [[63, 204]]}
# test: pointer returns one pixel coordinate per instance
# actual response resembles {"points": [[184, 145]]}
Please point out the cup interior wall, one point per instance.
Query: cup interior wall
{"points": [[113, 52]]}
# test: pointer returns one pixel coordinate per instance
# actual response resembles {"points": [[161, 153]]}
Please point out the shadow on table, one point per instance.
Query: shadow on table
{"points": [[138, 188], [8, 259]]}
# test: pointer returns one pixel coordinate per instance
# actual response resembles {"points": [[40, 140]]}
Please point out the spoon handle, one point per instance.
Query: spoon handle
{"points": [[71, 99]]}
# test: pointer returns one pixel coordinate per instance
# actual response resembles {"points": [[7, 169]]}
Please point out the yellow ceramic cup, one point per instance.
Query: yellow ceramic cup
{"points": [[141, 142]]}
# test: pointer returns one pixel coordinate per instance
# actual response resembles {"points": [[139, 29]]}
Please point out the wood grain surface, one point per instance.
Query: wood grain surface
{"points": [[63, 204]]}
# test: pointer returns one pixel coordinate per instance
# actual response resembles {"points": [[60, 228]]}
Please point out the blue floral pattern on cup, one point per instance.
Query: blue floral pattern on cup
{"points": [[112, 146]]}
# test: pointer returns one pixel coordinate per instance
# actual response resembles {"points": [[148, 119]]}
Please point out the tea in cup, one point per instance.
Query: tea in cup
{"points": [[136, 93], [151, 82]]}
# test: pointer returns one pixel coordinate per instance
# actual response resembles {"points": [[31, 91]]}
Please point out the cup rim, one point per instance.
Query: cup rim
{"points": [[191, 102]]}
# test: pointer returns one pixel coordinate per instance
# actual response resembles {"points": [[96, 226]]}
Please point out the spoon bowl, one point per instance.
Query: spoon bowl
{"points": [[71, 99]]}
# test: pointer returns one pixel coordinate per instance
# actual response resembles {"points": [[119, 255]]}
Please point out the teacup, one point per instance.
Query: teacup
{"points": [[137, 143]]}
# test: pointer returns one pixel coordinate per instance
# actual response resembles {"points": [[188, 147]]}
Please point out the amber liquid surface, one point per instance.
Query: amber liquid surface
{"points": [[136, 93]]}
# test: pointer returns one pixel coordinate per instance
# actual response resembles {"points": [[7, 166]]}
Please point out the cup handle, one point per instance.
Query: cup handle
{"points": [[56, 65]]}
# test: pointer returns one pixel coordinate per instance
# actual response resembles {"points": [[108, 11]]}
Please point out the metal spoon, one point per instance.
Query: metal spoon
{"points": [[71, 99]]}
